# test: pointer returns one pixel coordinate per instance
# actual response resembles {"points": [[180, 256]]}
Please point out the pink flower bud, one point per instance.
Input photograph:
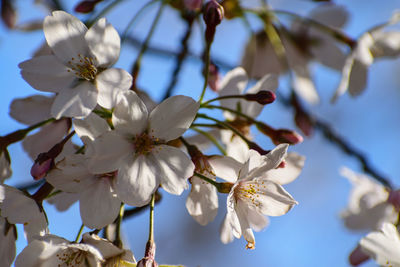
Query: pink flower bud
{"points": [[357, 256], [213, 13], [304, 122], [213, 77], [86, 6], [262, 97], [8, 14], [287, 136], [40, 169], [394, 198], [193, 5]]}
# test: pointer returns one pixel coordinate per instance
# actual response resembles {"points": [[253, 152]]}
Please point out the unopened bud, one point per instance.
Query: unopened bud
{"points": [[86, 6], [40, 169], [213, 77], [148, 260], [357, 256], [213, 13], [394, 198], [262, 97], [280, 136], [287, 136], [8, 14], [193, 5], [282, 164]]}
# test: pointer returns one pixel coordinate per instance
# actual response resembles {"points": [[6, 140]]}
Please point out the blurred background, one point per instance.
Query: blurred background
{"points": [[312, 233]]}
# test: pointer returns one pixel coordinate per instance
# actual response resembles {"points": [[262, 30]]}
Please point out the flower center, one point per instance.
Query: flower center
{"points": [[250, 192], [144, 143], [83, 67], [71, 258]]}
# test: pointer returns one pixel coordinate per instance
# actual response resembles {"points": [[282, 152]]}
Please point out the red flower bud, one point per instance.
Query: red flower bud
{"points": [[86, 6], [213, 13], [40, 169], [8, 14], [394, 198], [357, 256], [262, 97], [287, 136]]}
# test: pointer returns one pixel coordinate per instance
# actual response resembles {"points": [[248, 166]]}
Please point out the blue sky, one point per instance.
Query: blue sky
{"points": [[311, 234]]}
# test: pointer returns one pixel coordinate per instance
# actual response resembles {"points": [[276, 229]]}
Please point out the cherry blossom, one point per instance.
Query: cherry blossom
{"points": [[79, 69], [373, 44], [137, 149], [302, 43], [383, 245], [256, 193], [368, 207]]}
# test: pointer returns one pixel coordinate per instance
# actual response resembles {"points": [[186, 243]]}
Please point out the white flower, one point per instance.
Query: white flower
{"points": [[383, 246], [302, 43], [51, 250], [21, 209], [8, 236], [79, 69], [368, 207], [98, 203], [137, 147], [373, 44], [256, 193]]}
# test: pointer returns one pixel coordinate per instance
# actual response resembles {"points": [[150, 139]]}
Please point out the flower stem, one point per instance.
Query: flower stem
{"points": [[211, 138], [118, 241], [221, 187], [206, 70], [78, 236], [137, 64], [151, 221]]}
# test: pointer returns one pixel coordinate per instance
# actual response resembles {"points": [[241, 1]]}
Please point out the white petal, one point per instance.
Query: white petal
{"points": [[172, 117], [110, 83], [272, 198], [226, 168], [63, 200], [45, 138], [71, 175], [344, 81], [65, 35], [104, 42], [294, 165], [270, 161], [387, 44], [7, 243], [383, 246], [303, 84], [99, 206], [46, 73], [202, 201], [175, 168], [31, 109], [92, 126], [226, 231], [235, 146], [358, 78], [137, 180], [328, 53], [109, 149], [130, 114], [75, 102], [331, 15]]}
